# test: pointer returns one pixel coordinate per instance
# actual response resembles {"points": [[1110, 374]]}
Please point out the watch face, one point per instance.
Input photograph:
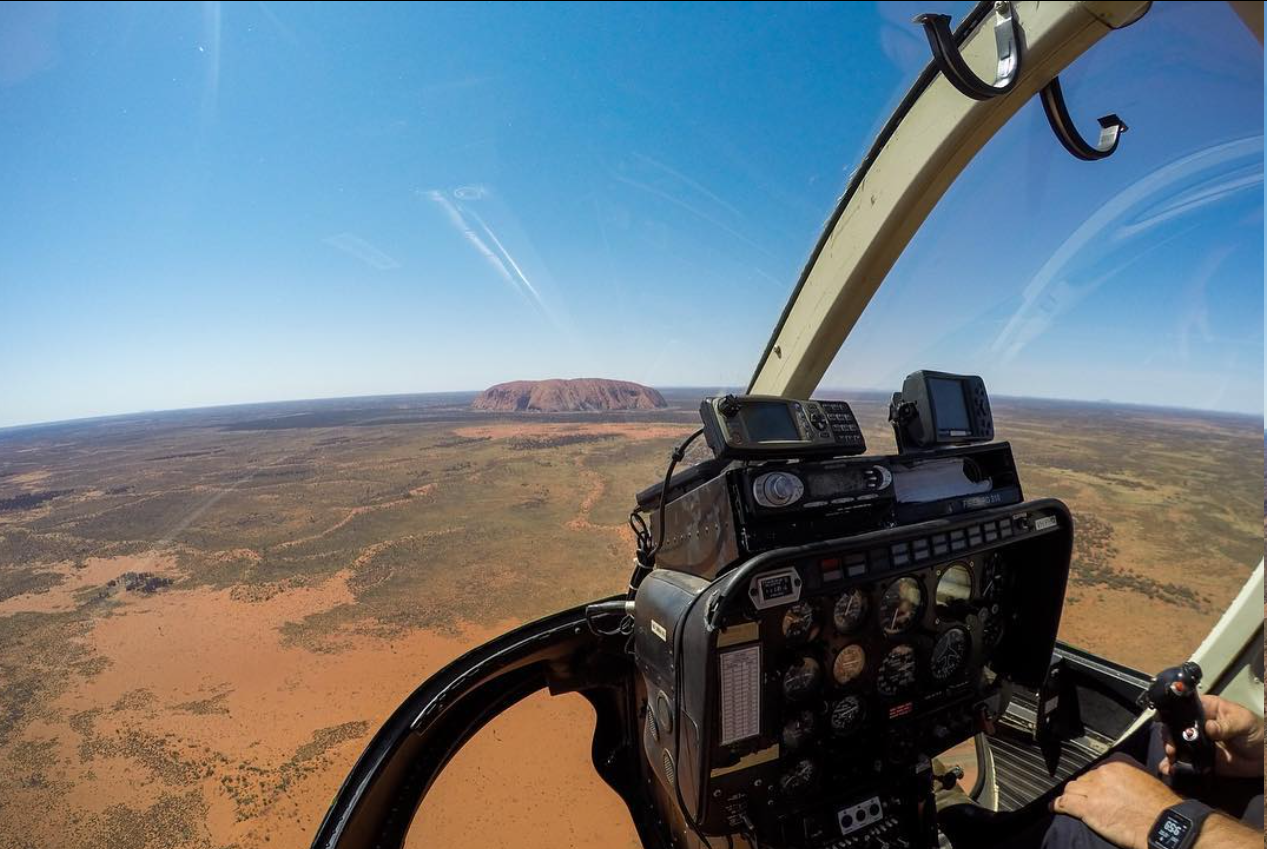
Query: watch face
{"points": [[1170, 831]]}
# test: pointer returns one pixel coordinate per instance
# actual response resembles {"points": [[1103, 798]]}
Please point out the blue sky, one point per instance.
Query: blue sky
{"points": [[208, 204]]}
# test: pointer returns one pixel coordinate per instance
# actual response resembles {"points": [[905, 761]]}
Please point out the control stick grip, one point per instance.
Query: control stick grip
{"points": [[1174, 694]]}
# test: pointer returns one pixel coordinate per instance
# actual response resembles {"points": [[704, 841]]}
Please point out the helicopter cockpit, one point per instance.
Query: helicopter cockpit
{"points": [[797, 682], [808, 626]]}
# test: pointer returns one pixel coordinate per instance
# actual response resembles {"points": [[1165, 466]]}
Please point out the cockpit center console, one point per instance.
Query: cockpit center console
{"points": [[804, 658]]}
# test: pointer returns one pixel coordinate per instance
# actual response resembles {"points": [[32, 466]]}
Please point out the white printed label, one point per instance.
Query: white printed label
{"points": [[740, 694], [1045, 523], [658, 630]]}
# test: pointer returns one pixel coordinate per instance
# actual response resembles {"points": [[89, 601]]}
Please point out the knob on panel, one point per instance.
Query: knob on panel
{"points": [[777, 489]]}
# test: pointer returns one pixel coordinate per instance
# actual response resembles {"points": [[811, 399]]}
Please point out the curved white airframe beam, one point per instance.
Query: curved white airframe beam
{"points": [[937, 134]]}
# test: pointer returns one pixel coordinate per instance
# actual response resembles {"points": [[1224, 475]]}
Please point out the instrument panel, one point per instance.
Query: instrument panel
{"points": [[812, 685], [855, 658]]}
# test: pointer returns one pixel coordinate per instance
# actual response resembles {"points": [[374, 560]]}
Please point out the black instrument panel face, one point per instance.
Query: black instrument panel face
{"points": [[914, 635], [813, 707], [863, 675]]}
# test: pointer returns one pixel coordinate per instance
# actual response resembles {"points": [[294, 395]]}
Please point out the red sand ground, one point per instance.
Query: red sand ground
{"points": [[512, 786]]}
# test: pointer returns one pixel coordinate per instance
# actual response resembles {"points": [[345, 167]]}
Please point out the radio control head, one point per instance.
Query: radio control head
{"points": [[769, 427]]}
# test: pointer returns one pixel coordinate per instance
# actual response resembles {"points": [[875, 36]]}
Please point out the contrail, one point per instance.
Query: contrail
{"points": [[505, 254], [499, 259], [455, 217]]}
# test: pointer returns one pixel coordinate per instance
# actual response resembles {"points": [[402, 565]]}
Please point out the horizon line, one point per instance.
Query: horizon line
{"points": [[1103, 402]]}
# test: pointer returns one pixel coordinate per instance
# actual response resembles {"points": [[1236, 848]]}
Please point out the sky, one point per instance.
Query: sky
{"points": [[206, 204]]}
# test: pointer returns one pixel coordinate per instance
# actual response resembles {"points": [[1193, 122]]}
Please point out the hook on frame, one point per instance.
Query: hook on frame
{"points": [[952, 66], [1111, 126]]}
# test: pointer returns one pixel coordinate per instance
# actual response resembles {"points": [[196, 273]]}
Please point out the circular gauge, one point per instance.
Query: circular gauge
{"points": [[799, 776], [992, 580], [850, 610], [954, 589], [901, 604], [950, 655], [849, 664], [798, 623], [897, 671], [801, 679], [847, 715], [799, 729]]}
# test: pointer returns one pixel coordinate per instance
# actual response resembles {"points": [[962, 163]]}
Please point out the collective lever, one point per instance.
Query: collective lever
{"points": [[1175, 697]]}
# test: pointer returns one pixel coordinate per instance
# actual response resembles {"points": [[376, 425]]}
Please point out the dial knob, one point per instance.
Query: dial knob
{"points": [[777, 489]]}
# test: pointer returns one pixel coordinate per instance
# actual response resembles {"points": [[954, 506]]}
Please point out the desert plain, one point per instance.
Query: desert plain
{"points": [[205, 614]]}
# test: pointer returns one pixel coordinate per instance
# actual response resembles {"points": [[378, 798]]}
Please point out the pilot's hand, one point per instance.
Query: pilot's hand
{"points": [[1238, 737], [1118, 801]]}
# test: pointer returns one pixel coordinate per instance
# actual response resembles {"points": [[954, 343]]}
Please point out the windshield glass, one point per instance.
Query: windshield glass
{"points": [[1115, 312], [205, 614]]}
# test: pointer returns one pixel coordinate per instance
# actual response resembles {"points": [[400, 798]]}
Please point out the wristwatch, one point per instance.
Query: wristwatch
{"points": [[1178, 825]]}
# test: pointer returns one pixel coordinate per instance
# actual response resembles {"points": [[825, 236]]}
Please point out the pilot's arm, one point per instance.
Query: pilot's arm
{"points": [[1120, 801]]}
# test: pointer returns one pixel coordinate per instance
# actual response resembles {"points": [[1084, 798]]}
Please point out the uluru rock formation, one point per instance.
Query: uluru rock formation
{"points": [[557, 396]]}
